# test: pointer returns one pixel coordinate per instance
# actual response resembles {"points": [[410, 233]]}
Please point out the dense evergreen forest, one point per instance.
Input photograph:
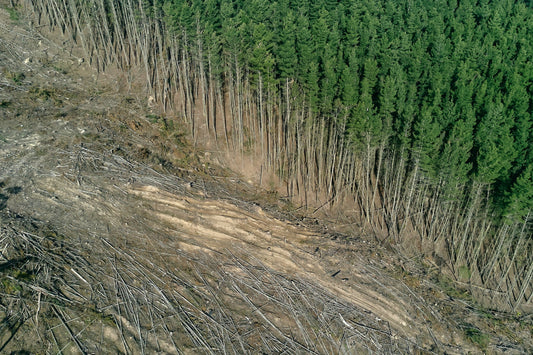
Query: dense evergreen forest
{"points": [[418, 111]]}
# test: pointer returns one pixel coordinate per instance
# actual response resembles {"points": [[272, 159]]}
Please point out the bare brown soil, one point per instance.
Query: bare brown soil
{"points": [[116, 236]]}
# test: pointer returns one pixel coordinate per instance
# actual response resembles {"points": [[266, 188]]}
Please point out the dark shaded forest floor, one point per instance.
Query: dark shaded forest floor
{"points": [[117, 236]]}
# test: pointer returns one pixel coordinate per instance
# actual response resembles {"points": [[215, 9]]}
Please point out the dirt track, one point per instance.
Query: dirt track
{"points": [[106, 249]]}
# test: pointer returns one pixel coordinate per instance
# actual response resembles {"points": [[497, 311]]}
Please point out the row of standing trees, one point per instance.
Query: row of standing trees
{"points": [[419, 111]]}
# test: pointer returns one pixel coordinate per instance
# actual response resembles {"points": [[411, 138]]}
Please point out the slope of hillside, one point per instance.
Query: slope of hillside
{"points": [[118, 237]]}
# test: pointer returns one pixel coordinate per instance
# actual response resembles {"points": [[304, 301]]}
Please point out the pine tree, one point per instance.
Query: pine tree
{"points": [[286, 51], [494, 143], [520, 201], [427, 141]]}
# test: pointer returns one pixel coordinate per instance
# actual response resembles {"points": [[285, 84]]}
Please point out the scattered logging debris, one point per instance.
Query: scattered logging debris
{"points": [[78, 290], [190, 301]]}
